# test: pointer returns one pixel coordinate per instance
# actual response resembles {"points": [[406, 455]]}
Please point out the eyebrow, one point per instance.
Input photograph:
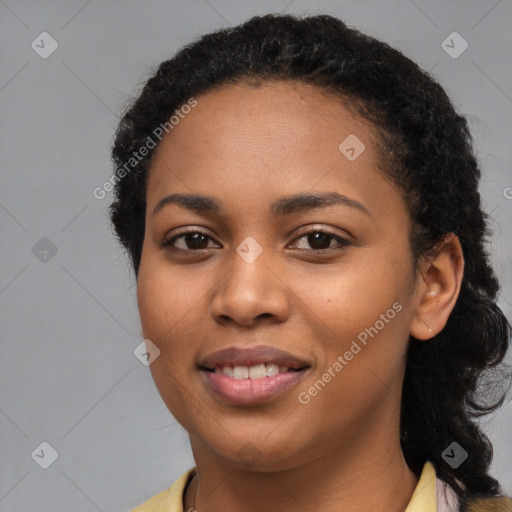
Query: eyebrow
{"points": [[283, 206]]}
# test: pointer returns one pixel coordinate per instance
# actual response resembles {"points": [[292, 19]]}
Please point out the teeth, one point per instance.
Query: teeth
{"points": [[255, 372], [272, 369], [227, 370], [241, 372]]}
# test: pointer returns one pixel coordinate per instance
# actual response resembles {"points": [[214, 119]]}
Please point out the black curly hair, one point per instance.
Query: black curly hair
{"points": [[425, 149]]}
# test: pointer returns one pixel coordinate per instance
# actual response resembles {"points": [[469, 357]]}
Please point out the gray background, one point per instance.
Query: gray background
{"points": [[69, 323]]}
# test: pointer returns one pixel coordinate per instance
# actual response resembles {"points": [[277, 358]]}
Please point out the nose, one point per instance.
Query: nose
{"points": [[250, 294]]}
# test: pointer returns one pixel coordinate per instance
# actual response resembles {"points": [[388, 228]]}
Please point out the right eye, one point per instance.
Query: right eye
{"points": [[189, 241]]}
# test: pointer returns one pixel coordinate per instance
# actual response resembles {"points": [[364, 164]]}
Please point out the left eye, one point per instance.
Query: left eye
{"points": [[320, 240]]}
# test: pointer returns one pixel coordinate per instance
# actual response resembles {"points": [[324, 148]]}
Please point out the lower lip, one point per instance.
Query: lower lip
{"points": [[251, 391]]}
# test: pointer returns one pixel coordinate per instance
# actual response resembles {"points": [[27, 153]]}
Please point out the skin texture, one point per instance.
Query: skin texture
{"points": [[247, 146]]}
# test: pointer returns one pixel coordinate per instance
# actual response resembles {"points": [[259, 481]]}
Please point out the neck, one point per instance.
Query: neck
{"points": [[370, 475]]}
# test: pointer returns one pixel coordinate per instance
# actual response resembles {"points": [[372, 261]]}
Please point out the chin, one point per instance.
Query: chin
{"points": [[253, 453]]}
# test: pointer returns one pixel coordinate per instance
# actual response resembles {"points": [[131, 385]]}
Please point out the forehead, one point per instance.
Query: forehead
{"points": [[250, 143], [275, 125], [298, 107]]}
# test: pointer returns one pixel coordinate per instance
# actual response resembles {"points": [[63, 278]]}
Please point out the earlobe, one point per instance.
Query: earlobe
{"points": [[441, 278], [428, 326]]}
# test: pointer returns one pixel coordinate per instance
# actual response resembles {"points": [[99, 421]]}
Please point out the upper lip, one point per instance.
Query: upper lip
{"points": [[251, 356]]}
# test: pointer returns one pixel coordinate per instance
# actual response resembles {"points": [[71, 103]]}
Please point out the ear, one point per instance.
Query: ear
{"points": [[438, 286]]}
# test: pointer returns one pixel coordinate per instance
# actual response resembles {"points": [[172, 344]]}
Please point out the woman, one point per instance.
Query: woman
{"points": [[300, 203]]}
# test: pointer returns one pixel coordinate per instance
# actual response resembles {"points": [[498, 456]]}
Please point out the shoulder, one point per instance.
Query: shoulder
{"points": [[155, 503], [170, 500], [447, 498], [494, 504]]}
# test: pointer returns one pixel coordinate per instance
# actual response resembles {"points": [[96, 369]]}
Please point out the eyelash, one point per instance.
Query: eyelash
{"points": [[342, 242]]}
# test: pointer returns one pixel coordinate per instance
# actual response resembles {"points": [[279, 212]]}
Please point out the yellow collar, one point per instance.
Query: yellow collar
{"points": [[424, 498]]}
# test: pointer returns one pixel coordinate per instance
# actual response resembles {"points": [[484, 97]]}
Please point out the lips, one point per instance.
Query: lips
{"points": [[251, 356], [251, 375]]}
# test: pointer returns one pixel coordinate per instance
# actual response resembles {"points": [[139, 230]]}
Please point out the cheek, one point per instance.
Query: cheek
{"points": [[363, 330], [169, 316], [352, 296], [165, 307], [165, 300], [360, 312]]}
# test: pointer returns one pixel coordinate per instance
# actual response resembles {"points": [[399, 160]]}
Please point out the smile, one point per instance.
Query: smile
{"points": [[251, 375], [259, 371]]}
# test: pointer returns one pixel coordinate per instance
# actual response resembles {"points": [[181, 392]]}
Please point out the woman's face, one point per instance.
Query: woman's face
{"points": [[319, 289]]}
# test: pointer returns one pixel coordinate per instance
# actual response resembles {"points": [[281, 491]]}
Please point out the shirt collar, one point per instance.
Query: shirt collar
{"points": [[424, 498]]}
